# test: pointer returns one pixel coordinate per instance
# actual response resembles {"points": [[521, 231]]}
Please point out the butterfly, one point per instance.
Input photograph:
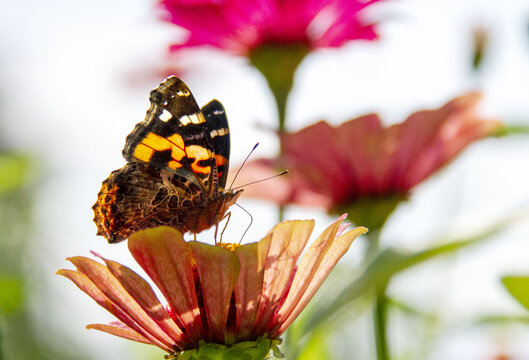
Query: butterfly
{"points": [[176, 171]]}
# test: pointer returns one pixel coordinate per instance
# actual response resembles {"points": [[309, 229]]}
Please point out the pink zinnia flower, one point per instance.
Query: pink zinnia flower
{"points": [[213, 294], [334, 167], [242, 25]]}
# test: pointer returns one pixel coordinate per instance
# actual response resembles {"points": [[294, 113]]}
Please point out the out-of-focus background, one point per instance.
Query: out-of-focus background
{"points": [[75, 78]]}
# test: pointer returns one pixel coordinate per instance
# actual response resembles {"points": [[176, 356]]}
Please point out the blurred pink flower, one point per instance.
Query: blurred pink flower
{"points": [[215, 294], [335, 166], [239, 26]]}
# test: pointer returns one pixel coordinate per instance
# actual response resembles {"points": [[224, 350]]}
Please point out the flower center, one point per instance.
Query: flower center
{"points": [[229, 246]]}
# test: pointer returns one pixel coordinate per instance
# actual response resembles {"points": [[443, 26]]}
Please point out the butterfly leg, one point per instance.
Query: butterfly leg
{"points": [[228, 215]]}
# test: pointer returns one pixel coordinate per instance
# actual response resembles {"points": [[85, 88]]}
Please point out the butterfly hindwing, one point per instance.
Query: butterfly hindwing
{"points": [[137, 197]]}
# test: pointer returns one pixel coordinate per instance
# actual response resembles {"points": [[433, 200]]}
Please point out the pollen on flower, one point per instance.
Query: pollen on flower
{"points": [[229, 246]]}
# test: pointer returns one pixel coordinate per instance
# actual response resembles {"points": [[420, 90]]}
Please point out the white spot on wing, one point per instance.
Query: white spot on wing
{"points": [[185, 120], [218, 132], [165, 116], [196, 118]]}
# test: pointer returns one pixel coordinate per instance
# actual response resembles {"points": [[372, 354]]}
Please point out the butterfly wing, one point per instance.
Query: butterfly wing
{"points": [[136, 197], [177, 159], [217, 124], [173, 136]]}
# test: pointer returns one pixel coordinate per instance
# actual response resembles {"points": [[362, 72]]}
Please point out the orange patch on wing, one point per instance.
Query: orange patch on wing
{"points": [[143, 152], [199, 153], [220, 160], [174, 164], [152, 143], [177, 141]]}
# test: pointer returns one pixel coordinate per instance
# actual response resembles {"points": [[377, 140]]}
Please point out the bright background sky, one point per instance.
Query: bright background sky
{"points": [[75, 78]]}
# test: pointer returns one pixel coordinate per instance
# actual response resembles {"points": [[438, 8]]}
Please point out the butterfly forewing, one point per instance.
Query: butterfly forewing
{"points": [[219, 131], [173, 135]]}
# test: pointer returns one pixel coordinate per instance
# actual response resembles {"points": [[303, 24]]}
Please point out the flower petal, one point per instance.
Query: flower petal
{"points": [[119, 331], [280, 255], [142, 292], [307, 268], [218, 269], [87, 286], [240, 26], [367, 166], [248, 288], [310, 279], [110, 286], [166, 258]]}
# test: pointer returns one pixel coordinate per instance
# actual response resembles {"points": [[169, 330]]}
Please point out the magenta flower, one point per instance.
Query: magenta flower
{"points": [[239, 26], [335, 167], [222, 295], [275, 35]]}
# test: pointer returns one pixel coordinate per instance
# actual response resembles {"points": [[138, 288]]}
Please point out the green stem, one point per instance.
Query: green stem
{"points": [[380, 304], [380, 322], [278, 63]]}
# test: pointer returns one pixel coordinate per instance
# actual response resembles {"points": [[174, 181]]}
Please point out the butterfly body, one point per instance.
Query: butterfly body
{"points": [[178, 160]]}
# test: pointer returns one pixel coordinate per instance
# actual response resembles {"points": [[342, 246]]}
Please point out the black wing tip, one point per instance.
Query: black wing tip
{"points": [[213, 106]]}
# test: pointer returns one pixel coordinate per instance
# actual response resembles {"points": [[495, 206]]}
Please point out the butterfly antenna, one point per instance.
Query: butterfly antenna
{"points": [[251, 221], [244, 162], [258, 181]]}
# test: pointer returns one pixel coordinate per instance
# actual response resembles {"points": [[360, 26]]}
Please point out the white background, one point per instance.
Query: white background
{"points": [[75, 78]]}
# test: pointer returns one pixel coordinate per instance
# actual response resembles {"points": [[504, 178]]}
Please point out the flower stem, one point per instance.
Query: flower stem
{"points": [[380, 301], [379, 318], [380, 304], [278, 63]]}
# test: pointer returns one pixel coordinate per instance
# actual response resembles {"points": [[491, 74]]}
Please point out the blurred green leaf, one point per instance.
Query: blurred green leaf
{"points": [[390, 262], [14, 171], [10, 294], [316, 348], [502, 319], [518, 287], [411, 310]]}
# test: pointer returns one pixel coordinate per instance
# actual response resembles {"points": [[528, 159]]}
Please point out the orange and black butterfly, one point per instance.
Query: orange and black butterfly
{"points": [[178, 160]]}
